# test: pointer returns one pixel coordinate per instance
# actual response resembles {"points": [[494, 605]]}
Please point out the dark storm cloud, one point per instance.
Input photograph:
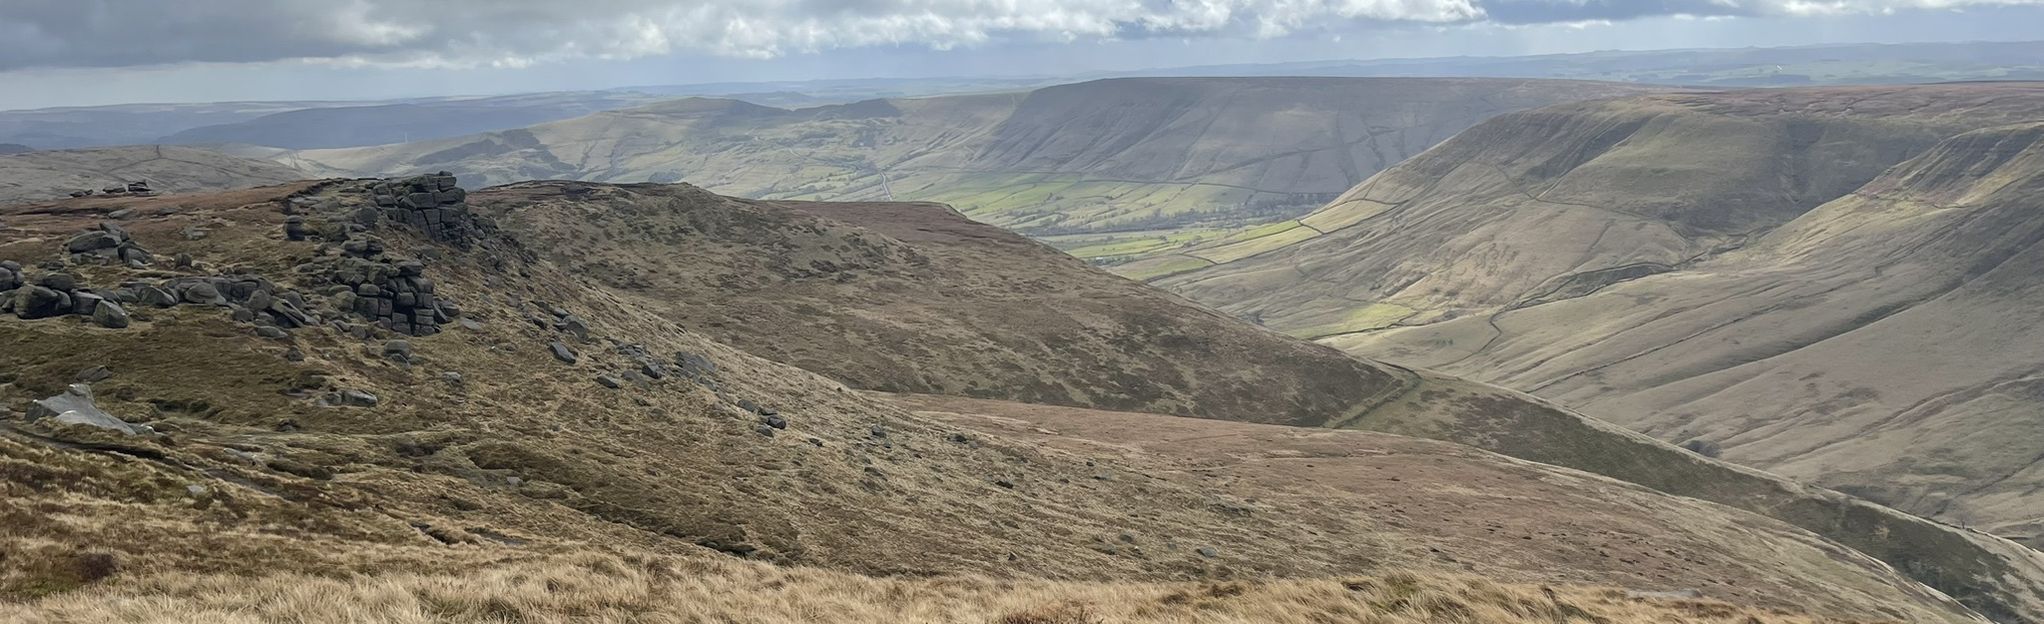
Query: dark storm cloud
{"points": [[428, 33]]}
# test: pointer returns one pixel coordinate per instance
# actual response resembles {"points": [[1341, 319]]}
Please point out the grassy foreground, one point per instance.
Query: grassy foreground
{"points": [[603, 588]]}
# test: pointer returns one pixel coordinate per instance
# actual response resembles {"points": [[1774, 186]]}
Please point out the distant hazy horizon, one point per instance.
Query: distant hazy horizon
{"points": [[120, 51]]}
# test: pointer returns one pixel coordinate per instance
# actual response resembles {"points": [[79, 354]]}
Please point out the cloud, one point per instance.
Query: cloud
{"points": [[125, 33]]}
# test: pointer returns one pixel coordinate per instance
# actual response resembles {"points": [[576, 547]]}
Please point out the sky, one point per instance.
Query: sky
{"points": [[89, 52]]}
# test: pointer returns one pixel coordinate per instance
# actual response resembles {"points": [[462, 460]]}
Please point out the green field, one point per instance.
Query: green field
{"points": [[1372, 316]]}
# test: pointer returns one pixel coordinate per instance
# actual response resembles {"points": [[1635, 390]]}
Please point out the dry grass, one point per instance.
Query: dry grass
{"points": [[421, 484], [601, 588]]}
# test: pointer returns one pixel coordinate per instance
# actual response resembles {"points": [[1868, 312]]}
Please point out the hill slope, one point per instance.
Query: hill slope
{"points": [[1126, 157], [1886, 331], [808, 288], [375, 124], [877, 305], [49, 174], [1553, 203], [562, 446]]}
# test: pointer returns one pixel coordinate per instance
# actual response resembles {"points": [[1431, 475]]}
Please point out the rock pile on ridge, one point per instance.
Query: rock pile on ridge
{"points": [[432, 203], [392, 293], [108, 242]]}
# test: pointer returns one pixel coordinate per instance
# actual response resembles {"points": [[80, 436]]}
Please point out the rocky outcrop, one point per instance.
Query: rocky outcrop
{"points": [[392, 293], [431, 203]]}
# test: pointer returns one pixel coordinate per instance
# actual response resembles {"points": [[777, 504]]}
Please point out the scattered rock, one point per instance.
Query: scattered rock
{"points": [[92, 241], [272, 332], [451, 377], [94, 374], [196, 490], [357, 398], [201, 293], [562, 353], [61, 282], [398, 350], [1005, 483], [764, 430], [1702, 447], [776, 422], [694, 366], [1207, 552], [75, 407], [153, 296], [36, 302], [610, 381], [110, 315], [294, 228]]}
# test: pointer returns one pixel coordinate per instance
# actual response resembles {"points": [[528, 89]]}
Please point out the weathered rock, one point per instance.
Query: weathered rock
{"points": [[135, 256], [272, 333], [182, 261], [94, 374], [92, 241], [9, 280], [202, 293], [451, 377], [573, 325], [357, 398], [36, 302], [610, 381], [151, 295], [259, 300], [562, 353], [294, 228], [110, 315], [288, 314], [776, 422], [61, 282], [75, 407], [400, 350], [764, 430], [85, 303]]}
